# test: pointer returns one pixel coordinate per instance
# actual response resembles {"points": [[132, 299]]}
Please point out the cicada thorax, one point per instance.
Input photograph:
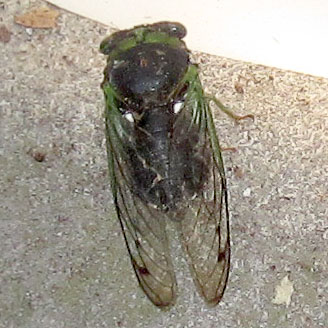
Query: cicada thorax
{"points": [[147, 74], [163, 160]]}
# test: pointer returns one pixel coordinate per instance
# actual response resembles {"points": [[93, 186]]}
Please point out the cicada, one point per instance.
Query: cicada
{"points": [[165, 160]]}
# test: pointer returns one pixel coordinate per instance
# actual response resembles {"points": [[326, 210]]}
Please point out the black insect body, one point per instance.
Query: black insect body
{"points": [[165, 160]]}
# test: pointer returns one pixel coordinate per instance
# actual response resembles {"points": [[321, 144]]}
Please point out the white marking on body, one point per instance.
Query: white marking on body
{"points": [[118, 63], [177, 107], [129, 117]]}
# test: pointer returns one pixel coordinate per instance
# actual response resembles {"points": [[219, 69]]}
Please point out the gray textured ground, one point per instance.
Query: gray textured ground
{"points": [[63, 262]]}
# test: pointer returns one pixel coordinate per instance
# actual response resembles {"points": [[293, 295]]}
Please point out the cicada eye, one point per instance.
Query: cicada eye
{"points": [[111, 42], [171, 28], [178, 30]]}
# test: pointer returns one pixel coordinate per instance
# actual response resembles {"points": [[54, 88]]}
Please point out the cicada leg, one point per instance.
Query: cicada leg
{"points": [[228, 111]]}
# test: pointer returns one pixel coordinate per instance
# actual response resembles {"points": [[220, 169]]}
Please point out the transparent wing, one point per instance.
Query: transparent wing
{"points": [[205, 227], [143, 226]]}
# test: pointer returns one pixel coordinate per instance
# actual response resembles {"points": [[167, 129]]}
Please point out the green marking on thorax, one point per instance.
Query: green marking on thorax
{"points": [[141, 35]]}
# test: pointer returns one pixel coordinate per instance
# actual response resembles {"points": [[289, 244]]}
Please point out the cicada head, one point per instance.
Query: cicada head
{"points": [[146, 63]]}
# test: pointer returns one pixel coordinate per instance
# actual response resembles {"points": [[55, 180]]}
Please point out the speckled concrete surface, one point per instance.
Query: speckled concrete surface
{"points": [[63, 262]]}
